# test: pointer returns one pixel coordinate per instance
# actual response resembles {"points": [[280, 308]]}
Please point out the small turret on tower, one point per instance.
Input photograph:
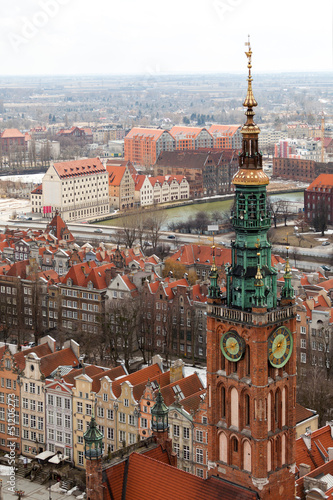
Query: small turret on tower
{"points": [[288, 292], [214, 291]]}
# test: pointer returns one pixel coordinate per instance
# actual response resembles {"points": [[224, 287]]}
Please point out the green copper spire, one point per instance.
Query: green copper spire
{"points": [[248, 286], [287, 290], [93, 441], [160, 414], [214, 289]]}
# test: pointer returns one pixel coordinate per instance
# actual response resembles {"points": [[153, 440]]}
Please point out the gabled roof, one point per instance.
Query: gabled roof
{"points": [[113, 373], [186, 387], [152, 133], [90, 370], [140, 476], [150, 372], [322, 181], [97, 276], [38, 189], [223, 130], [50, 362], [303, 413], [58, 228], [321, 440], [115, 174], [75, 168], [201, 254], [39, 350], [79, 273], [188, 132], [12, 133]]}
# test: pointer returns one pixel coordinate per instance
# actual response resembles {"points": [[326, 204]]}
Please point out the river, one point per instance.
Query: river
{"points": [[185, 212]]}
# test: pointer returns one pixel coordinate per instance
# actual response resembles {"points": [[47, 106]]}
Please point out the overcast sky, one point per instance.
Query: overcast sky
{"points": [[163, 37]]}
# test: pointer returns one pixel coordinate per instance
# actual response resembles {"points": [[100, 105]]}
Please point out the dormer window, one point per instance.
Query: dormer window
{"points": [[90, 285], [69, 282]]}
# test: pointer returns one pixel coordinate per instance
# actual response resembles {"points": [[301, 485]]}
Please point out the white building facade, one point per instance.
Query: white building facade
{"points": [[76, 189]]}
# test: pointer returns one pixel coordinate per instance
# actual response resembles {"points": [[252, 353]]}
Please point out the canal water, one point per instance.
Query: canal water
{"points": [[185, 212]]}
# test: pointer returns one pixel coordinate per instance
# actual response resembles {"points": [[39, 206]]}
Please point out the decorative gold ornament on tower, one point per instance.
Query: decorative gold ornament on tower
{"points": [[250, 160]]}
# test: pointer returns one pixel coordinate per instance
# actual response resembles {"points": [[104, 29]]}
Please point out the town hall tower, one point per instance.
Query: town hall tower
{"points": [[251, 357]]}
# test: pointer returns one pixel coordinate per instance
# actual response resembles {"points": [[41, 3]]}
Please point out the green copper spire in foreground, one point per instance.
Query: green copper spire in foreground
{"points": [[214, 289], [250, 285], [93, 441], [160, 414]]}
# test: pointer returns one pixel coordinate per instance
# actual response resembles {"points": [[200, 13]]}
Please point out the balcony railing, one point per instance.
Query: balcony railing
{"points": [[246, 317]]}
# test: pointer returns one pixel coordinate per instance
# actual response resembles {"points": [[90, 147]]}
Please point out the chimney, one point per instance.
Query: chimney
{"points": [[158, 360], [108, 276], [304, 469], [50, 341], [176, 371], [331, 426], [307, 439], [330, 453]]}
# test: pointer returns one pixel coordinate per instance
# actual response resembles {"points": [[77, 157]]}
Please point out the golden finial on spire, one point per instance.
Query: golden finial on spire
{"points": [[250, 101], [287, 267], [213, 268], [258, 276]]}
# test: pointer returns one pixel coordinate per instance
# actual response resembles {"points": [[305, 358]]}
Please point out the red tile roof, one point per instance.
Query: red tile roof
{"points": [[136, 378], [115, 174], [74, 168], [189, 132], [322, 181], [303, 413], [90, 370], [223, 130], [39, 350], [201, 254], [152, 133], [154, 480], [321, 440], [113, 373], [11, 133], [38, 189], [50, 362], [187, 385]]}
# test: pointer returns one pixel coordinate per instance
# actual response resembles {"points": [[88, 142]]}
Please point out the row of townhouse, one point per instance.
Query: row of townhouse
{"points": [[54, 397], [144, 145]]}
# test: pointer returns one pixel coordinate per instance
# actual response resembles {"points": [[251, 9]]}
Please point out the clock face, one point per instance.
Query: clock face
{"points": [[232, 346], [280, 346]]}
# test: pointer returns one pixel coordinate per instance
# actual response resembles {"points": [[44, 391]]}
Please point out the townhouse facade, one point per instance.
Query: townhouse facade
{"points": [[121, 187], [191, 137]]}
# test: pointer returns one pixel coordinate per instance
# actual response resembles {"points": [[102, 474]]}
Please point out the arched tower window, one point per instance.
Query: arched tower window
{"points": [[248, 361], [234, 407], [247, 410], [247, 456], [223, 448], [222, 405]]}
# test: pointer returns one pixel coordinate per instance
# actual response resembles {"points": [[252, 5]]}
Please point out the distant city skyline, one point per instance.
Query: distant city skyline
{"points": [[156, 38]]}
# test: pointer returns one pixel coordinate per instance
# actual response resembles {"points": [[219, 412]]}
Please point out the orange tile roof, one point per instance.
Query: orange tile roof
{"points": [[113, 373], [50, 362], [153, 133], [201, 254], [12, 133], [74, 168], [322, 181], [150, 372], [79, 273], [317, 473], [115, 174], [141, 472], [192, 402], [188, 386], [321, 440], [303, 413], [97, 276], [223, 130], [38, 189], [189, 132], [39, 350], [90, 370]]}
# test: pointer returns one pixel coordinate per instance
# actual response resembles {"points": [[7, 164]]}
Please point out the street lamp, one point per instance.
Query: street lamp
{"points": [[115, 407]]}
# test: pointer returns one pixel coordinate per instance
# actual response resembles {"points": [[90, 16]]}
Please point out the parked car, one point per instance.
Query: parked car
{"points": [[98, 230], [324, 243], [171, 236], [326, 268]]}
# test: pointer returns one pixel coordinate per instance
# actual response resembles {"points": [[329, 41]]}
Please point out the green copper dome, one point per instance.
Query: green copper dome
{"points": [[160, 414], [93, 441]]}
